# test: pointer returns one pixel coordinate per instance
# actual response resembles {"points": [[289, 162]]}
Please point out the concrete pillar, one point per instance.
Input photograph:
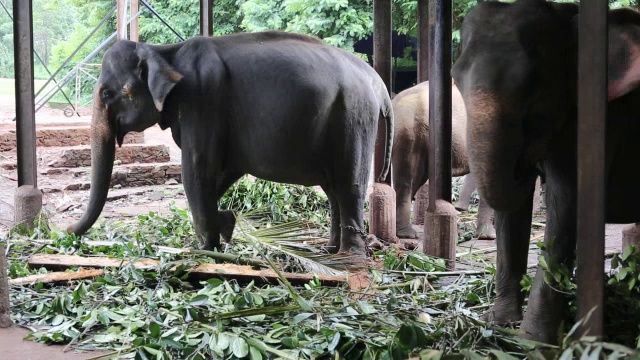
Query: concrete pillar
{"points": [[382, 212], [441, 232], [5, 306], [28, 204], [631, 235]]}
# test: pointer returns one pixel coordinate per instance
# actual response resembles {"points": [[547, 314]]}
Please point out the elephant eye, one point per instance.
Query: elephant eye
{"points": [[107, 95]]}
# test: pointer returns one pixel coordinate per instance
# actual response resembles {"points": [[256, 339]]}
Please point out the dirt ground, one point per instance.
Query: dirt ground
{"points": [[63, 208]]}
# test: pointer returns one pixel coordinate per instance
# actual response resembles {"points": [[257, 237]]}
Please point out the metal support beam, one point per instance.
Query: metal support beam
{"points": [[383, 199], [440, 218], [382, 65], [592, 112], [206, 17], [440, 101], [28, 199], [133, 26], [25, 106], [423, 40], [121, 19]]}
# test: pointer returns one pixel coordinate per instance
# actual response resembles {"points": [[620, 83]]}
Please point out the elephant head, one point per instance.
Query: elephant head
{"points": [[518, 77], [129, 96]]}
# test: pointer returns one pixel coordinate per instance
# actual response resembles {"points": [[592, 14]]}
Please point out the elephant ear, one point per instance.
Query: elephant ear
{"points": [[160, 76], [624, 52]]}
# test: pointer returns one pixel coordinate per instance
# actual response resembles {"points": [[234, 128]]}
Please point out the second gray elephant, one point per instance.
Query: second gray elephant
{"points": [[410, 157]]}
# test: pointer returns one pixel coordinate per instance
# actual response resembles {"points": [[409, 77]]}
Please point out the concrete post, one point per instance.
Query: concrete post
{"points": [[5, 306]]}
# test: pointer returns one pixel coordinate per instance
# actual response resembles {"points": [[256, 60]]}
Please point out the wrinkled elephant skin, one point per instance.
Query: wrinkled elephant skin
{"points": [[283, 107], [518, 76]]}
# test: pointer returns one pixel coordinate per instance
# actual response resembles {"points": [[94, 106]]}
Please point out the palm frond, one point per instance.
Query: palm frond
{"points": [[297, 239]]}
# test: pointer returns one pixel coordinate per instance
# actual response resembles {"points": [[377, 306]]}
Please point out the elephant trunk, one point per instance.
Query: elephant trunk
{"points": [[102, 156], [496, 153]]}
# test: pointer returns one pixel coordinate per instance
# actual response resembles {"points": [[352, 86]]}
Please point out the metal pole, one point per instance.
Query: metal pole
{"points": [[382, 64], [133, 27], [206, 17], [592, 112], [121, 19], [440, 101], [423, 40], [440, 229], [25, 114]]}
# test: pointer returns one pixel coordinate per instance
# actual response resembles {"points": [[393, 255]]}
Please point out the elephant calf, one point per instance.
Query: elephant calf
{"points": [[410, 156], [281, 106]]}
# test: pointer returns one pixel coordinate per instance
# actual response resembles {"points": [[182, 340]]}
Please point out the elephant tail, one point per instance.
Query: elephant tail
{"points": [[386, 111]]}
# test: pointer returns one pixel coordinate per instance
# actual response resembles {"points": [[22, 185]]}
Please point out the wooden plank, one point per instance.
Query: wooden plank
{"points": [[203, 271], [592, 112], [57, 277]]}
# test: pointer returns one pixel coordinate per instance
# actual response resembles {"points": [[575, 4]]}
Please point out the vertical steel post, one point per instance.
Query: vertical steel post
{"points": [[382, 64], [121, 19], [133, 26], [206, 17], [592, 112], [28, 199], [383, 198], [423, 40], [440, 101], [25, 113], [440, 218]]}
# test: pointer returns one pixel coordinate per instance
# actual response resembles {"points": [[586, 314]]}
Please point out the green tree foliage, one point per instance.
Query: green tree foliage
{"points": [[52, 23]]}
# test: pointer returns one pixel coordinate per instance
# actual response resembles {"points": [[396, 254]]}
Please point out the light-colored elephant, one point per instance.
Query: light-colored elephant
{"points": [[410, 156]]}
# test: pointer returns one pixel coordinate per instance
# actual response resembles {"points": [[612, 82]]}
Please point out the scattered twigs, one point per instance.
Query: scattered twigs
{"points": [[230, 258]]}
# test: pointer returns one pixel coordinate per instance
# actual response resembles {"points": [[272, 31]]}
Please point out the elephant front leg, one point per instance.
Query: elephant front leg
{"points": [[513, 232], [547, 306], [200, 188]]}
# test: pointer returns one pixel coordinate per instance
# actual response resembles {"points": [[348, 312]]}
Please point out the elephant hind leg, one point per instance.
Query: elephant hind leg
{"points": [[465, 195], [334, 241], [484, 224], [404, 228], [226, 218]]}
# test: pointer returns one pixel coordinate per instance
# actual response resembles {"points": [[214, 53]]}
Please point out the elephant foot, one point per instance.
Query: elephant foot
{"points": [[539, 331], [461, 206], [406, 232], [332, 247], [502, 315], [486, 232]]}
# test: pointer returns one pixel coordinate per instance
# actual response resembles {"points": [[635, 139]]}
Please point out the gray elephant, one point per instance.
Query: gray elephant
{"points": [[518, 76], [283, 107], [410, 156]]}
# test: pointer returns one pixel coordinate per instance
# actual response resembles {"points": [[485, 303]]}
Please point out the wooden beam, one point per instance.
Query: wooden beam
{"points": [[54, 277], [133, 26], [203, 271], [121, 19], [592, 112]]}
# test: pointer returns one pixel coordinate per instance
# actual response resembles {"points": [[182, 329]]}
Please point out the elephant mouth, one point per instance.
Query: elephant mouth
{"points": [[119, 131]]}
